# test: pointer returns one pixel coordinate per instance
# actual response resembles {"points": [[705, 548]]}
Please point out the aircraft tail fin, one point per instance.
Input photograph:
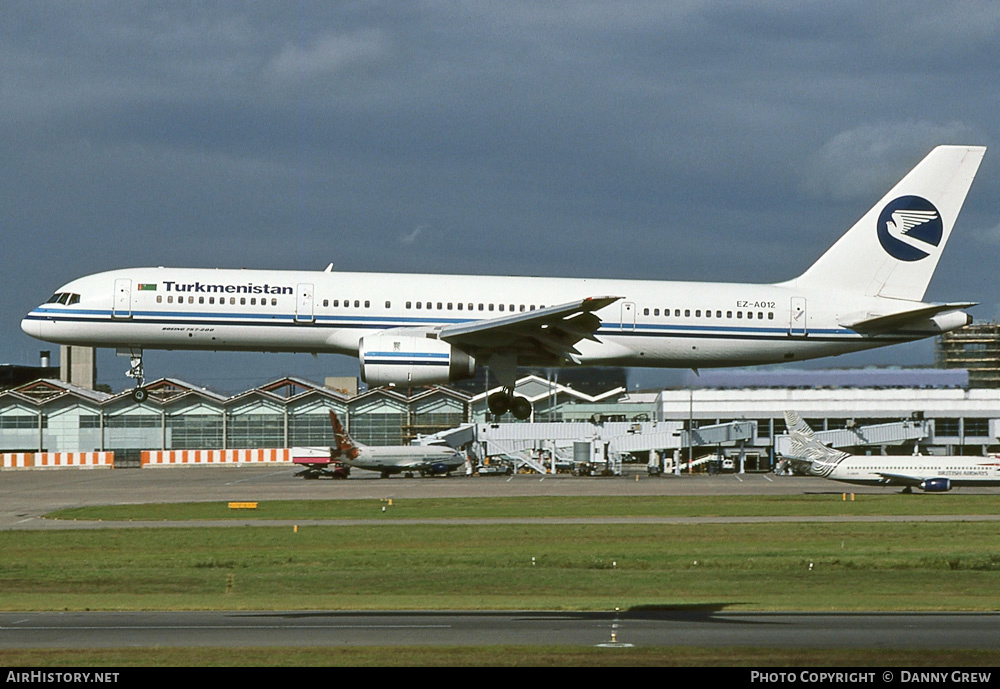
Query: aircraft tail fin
{"points": [[895, 247], [343, 445], [806, 447]]}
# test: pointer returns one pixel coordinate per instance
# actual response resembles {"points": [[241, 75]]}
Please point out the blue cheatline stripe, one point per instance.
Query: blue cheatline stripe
{"points": [[429, 355], [373, 322]]}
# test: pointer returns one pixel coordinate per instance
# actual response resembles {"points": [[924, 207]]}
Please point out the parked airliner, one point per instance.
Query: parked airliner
{"points": [[346, 454], [934, 474], [865, 291]]}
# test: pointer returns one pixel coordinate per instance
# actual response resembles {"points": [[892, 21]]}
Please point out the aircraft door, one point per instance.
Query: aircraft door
{"points": [[121, 304], [797, 325], [304, 303], [628, 315]]}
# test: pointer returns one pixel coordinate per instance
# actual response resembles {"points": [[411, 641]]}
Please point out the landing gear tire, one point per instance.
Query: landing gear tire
{"points": [[499, 403], [140, 395], [520, 408], [502, 402]]}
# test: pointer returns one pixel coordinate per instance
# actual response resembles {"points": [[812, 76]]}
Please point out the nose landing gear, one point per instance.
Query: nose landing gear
{"points": [[139, 393]]}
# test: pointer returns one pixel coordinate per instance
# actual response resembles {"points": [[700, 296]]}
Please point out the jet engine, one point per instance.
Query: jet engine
{"points": [[936, 485], [388, 359], [437, 469]]}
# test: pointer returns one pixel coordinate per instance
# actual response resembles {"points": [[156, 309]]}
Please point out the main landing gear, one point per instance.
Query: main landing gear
{"points": [[505, 400], [139, 393]]}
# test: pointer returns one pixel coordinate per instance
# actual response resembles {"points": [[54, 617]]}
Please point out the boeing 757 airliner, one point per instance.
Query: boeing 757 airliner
{"points": [[866, 291]]}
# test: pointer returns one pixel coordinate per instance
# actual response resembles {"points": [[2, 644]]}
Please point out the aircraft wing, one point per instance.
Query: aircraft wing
{"points": [[543, 335], [874, 323], [900, 479], [800, 463]]}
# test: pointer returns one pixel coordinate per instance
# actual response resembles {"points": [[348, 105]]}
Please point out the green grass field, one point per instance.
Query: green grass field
{"points": [[831, 504], [880, 565], [843, 566]]}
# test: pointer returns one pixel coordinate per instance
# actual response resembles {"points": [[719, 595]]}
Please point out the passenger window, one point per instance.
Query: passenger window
{"points": [[232, 301], [687, 313], [170, 299], [449, 305], [439, 306], [677, 312], [697, 313], [326, 303], [501, 307], [409, 304], [243, 301], [159, 298], [388, 305], [645, 312], [770, 315], [253, 301], [729, 314], [368, 303], [274, 301], [357, 303], [201, 300]]}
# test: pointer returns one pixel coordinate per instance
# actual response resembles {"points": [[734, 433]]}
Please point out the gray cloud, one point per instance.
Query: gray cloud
{"points": [[680, 140]]}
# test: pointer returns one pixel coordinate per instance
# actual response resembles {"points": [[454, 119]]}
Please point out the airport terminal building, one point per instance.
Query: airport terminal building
{"points": [[53, 416]]}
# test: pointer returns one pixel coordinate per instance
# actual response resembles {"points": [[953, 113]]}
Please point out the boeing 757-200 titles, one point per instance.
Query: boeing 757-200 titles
{"points": [[865, 291]]}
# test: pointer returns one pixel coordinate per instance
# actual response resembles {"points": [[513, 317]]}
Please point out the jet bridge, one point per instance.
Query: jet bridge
{"points": [[860, 436], [609, 442]]}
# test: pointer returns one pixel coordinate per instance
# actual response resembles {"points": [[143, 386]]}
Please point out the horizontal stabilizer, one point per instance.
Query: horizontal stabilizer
{"points": [[875, 323]]}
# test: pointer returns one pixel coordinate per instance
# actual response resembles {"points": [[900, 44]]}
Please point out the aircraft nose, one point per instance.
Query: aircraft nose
{"points": [[32, 327]]}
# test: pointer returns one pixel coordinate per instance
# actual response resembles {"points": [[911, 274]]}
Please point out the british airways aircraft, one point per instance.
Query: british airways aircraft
{"points": [[866, 291], [933, 474]]}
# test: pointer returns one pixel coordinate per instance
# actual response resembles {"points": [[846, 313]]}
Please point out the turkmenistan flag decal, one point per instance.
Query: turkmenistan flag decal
{"points": [[144, 286]]}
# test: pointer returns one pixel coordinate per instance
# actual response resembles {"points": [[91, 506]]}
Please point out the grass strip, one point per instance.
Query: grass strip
{"points": [[825, 504], [819, 566], [494, 656]]}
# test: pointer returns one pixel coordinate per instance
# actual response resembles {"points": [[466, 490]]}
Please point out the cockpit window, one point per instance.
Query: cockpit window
{"points": [[64, 298]]}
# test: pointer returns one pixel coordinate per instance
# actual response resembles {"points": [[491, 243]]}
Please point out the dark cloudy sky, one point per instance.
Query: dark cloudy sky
{"points": [[690, 140]]}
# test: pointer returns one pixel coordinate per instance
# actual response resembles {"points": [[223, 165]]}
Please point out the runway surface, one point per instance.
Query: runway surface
{"points": [[654, 628]]}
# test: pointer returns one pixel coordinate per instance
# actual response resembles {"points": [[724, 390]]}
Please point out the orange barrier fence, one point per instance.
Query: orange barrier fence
{"points": [[162, 458], [54, 460]]}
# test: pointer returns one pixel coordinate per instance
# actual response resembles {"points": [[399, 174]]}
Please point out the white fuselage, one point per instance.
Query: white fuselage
{"points": [[890, 470], [654, 324], [397, 459]]}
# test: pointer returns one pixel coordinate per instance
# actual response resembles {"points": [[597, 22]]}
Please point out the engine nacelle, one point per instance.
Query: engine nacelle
{"points": [[388, 359], [936, 485], [438, 469]]}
